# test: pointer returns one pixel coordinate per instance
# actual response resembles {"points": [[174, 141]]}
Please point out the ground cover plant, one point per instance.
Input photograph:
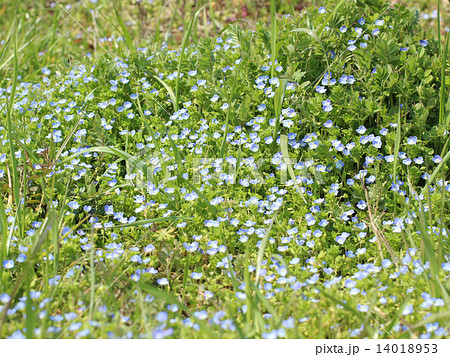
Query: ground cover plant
{"points": [[288, 181]]}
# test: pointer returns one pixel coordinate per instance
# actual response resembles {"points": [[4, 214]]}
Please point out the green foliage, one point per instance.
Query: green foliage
{"points": [[219, 178]]}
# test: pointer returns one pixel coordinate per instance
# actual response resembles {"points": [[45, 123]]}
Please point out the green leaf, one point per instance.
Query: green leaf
{"points": [[285, 152], [125, 33], [261, 250]]}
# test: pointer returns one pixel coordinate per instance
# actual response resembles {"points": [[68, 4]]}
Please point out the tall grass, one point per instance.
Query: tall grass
{"points": [[286, 158], [273, 36], [15, 185], [186, 38], [433, 252]]}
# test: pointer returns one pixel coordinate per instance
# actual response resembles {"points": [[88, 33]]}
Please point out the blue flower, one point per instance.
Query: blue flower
{"points": [[418, 160], [73, 205], [196, 276], [109, 209], [163, 281], [87, 208], [75, 326], [21, 258], [341, 238], [17, 335], [4, 298], [361, 130], [361, 205], [423, 43], [162, 316], [8, 264], [208, 294], [408, 310], [437, 159], [201, 315], [327, 107], [159, 333], [321, 89], [362, 308]]}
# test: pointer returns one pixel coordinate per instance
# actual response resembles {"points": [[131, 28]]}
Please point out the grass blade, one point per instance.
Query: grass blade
{"points": [[273, 36], [261, 250], [125, 33], [285, 152], [148, 221], [398, 138], [171, 299], [278, 103], [187, 35]]}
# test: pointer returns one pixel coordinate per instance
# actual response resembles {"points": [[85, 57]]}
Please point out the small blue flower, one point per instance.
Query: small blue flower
{"points": [[4, 298], [326, 105], [196, 276], [361, 130], [8, 264], [162, 316], [21, 258], [418, 160], [437, 159], [208, 294], [408, 310], [341, 238], [201, 315], [339, 164], [361, 205], [163, 281], [73, 205], [362, 308], [321, 89]]}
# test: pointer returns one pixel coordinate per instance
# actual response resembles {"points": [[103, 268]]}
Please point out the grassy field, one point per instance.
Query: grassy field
{"points": [[224, 169]]}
